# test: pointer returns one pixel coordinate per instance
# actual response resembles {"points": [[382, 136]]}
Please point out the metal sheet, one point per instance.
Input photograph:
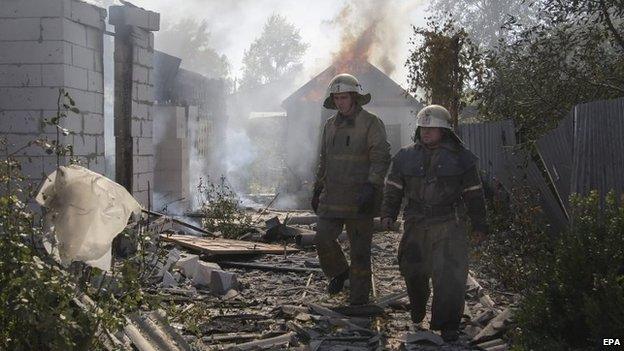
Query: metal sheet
{"points": [[151, 332], [521, 170], [556, 150], [598, 159], [218, 246], [488, 141]]}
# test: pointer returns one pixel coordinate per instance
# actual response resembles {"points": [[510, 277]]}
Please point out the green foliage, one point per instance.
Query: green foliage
{"points": [[221, 210], [274, 55], [37, 311], [572, 55], [484, 20], [518, 243], [440, 63], [193, 317], [44, 306], [581, 295]]}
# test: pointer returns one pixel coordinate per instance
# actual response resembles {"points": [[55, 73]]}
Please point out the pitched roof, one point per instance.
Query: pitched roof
{"points": [[383, 89]]}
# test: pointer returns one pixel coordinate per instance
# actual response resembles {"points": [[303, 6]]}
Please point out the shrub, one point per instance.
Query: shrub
{"points": [[44, 306], [580, 297], [518, 243], [221, 210]]}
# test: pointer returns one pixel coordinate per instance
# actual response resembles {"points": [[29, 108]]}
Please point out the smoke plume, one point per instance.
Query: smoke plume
{"points": [[369, 32]]}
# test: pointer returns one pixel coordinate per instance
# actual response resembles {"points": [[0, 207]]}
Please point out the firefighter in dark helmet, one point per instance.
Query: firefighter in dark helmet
{"points": [[439, 178], [354, 159]]}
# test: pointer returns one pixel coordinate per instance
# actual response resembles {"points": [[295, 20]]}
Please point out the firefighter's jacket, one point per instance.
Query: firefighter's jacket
{"points": [[439, 184], [353, 151]]}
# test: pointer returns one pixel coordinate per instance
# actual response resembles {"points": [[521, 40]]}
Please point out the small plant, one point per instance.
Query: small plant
{"points": [[221, 210], [65, 104]]}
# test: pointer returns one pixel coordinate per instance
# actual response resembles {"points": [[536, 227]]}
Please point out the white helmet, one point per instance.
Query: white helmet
{"points": [[435, 116], [345, 83]]}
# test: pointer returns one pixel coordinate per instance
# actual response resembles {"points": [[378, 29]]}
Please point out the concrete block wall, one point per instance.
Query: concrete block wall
{"points": [[142, 101], [46, 45], [134, 53], [171, 161]]}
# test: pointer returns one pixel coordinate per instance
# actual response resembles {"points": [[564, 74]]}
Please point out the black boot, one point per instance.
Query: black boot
{"points": [[417, 314], [337, 283], [450, 335]]}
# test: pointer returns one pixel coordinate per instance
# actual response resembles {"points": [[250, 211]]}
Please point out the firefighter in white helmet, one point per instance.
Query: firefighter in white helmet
{"points": [[440, 179], [354, 159]]}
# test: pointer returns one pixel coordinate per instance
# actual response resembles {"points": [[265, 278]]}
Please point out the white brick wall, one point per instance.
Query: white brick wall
{"points": [[24, 52], [20, 76], [33, 8], [20, 29], [46, 45]]}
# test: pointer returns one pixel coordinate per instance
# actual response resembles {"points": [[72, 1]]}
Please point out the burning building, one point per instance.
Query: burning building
{"points": [[306, 115]]}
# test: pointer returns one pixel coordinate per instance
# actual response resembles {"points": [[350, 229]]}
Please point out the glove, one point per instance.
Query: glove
{"points": [[366, 198], [315, 199]]}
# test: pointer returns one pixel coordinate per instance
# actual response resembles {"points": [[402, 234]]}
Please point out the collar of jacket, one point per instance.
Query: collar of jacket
{"points": [[448, 144], [349, 120]]}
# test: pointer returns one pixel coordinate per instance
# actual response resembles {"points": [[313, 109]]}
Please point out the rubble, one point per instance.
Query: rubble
{"points": [[151, 332], [223, 297], [495, 327], [219, 246]]}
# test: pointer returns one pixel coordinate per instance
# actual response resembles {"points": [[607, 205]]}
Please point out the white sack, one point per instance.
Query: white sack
{"points": [[86, 212]]}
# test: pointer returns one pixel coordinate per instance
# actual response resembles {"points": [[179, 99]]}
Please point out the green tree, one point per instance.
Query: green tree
{"points": [[484, 20], [440, 63], [275, 54], [573, 55], [189, 40]]}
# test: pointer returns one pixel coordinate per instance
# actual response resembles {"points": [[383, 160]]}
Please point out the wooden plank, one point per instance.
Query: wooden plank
{"points": [[219, 246], [268, 267]]}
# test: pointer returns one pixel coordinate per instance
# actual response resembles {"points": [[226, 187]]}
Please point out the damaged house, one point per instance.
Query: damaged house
{"points": [[189, 116]]}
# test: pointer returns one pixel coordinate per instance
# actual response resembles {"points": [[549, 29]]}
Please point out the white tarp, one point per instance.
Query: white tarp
{"points": [[85, 212]]}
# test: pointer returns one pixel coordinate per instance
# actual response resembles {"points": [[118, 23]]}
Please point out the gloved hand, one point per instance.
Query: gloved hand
{"points": [[315, 199], [366, 198]]}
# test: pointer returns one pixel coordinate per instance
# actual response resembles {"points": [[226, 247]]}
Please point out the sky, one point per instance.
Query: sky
{"points": [[234, 24]]}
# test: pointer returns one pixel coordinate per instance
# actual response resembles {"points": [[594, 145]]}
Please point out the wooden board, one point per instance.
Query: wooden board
{"points": [[219, 246]]}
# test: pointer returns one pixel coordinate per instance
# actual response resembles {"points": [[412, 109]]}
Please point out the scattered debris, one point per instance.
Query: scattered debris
{"points": [[151, 332], [423, 337], [495, 327], [474, 286], [282, 340], [267, 267], [218, 246], [493, 345]]}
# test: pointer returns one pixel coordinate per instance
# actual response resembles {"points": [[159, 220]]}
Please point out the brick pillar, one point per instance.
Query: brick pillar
{"points": [[134, 51], [46, 45]]}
